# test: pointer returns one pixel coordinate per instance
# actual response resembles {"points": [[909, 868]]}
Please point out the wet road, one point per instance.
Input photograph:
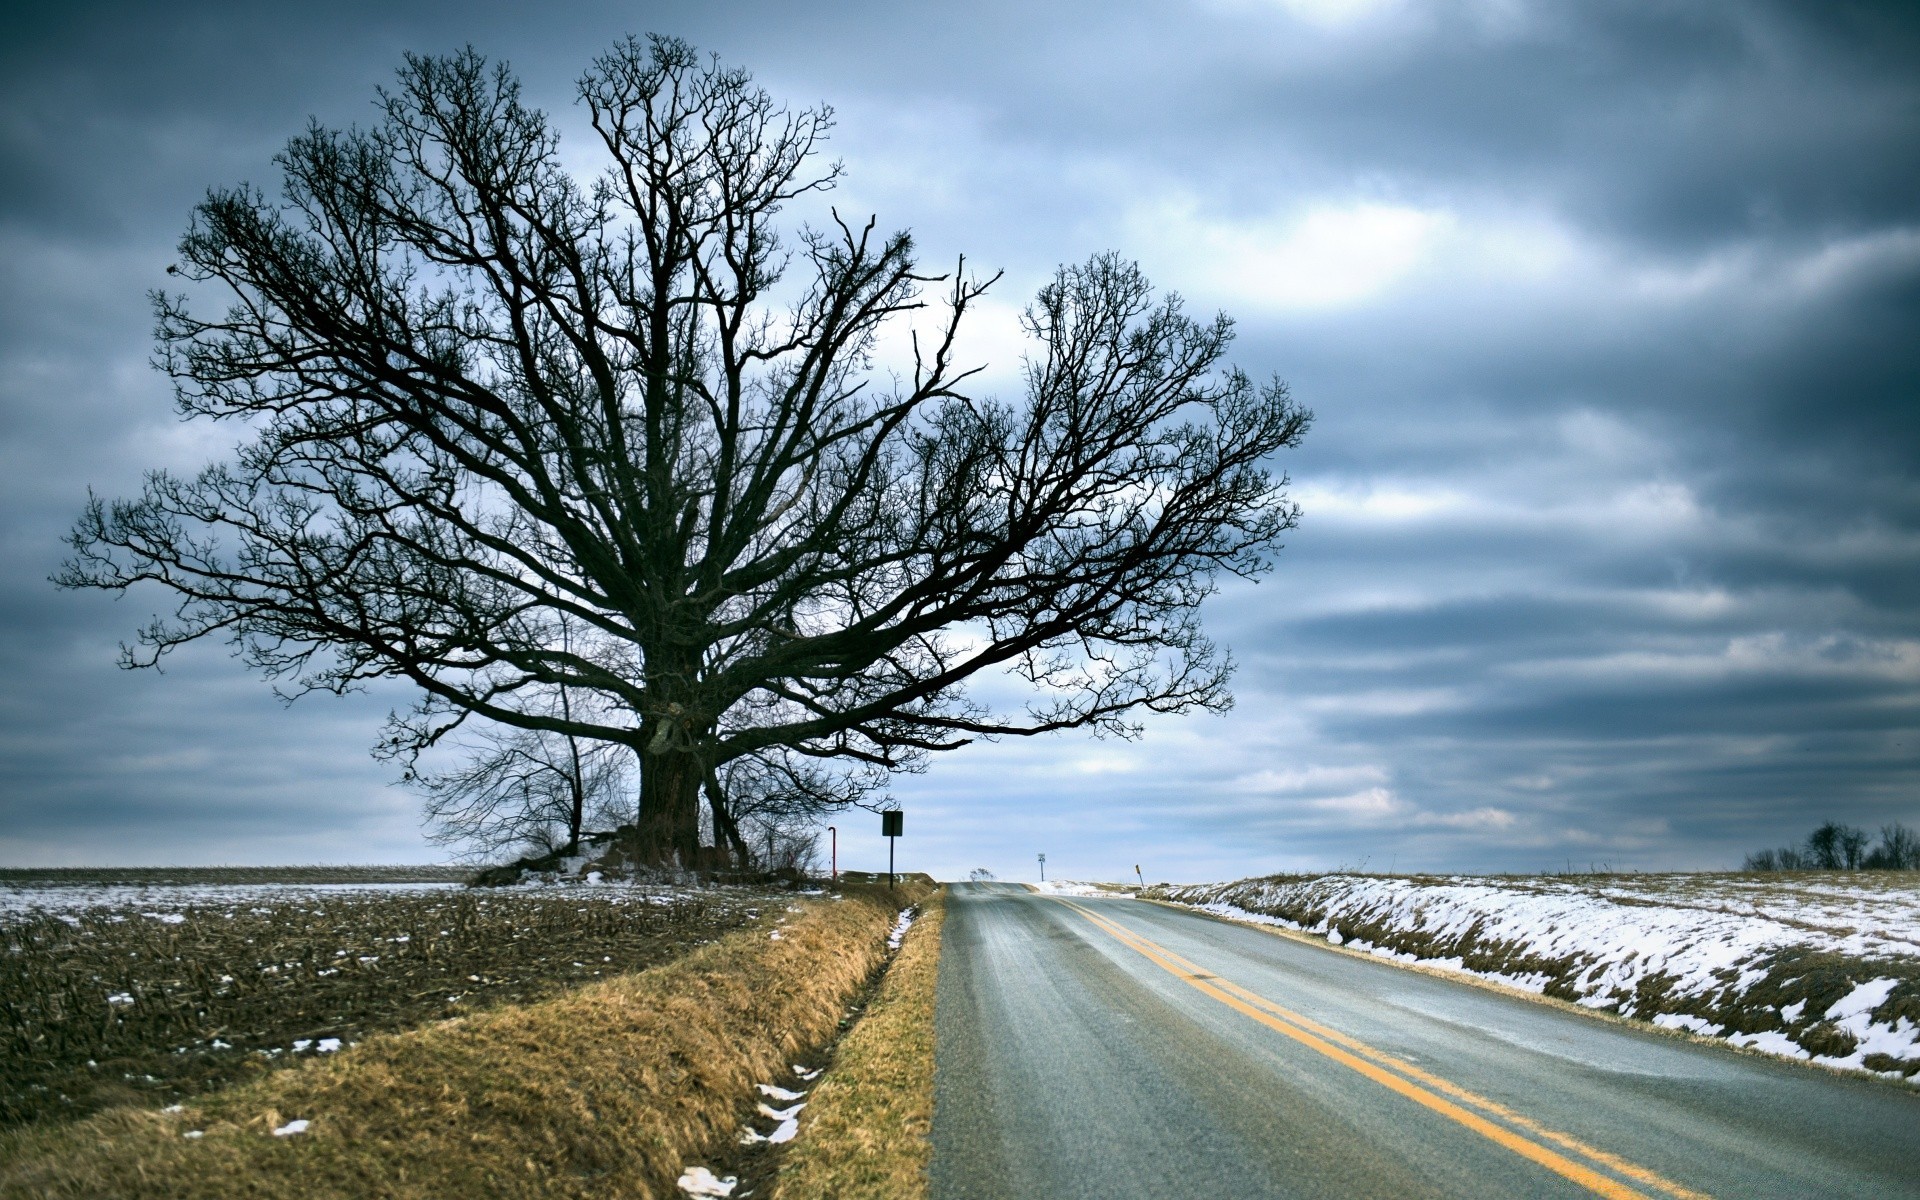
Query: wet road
{"points": [[1115, 1048]]}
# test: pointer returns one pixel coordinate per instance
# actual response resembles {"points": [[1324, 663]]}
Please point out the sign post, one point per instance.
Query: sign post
{"points": [[1043, 868], [890, 822], [834, 834]]}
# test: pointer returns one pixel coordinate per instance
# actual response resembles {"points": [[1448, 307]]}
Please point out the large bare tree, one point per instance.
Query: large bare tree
{"points": [[511, 431]]}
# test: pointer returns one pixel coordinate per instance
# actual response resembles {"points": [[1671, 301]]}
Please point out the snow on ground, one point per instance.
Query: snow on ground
{"points": [[698, 1181], [1067, 887], [167, 901], [162, 901], [1822, 967], [900, 927]]}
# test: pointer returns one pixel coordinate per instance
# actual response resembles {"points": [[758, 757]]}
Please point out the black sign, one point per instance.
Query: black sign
{"points": [[890, 823]]}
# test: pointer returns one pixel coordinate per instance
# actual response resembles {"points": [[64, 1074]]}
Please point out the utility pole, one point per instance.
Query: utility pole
{"points": [[834, 835], [1138, 875], [1043, 868]]}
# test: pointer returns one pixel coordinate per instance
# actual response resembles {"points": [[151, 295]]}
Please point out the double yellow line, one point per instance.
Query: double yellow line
{"points": [[1600, 1172]]}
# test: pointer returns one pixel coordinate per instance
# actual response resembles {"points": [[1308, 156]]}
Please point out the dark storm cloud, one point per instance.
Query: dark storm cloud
{"points": [[1613, 529]]}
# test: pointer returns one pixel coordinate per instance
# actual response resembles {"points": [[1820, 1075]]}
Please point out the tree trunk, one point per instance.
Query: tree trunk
{"points": [[668, 830], [723, 822]]}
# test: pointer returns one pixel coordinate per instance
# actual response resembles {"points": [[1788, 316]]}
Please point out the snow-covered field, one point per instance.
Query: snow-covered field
{"points": [[1822, 967], [21, 900], [163, 901]]}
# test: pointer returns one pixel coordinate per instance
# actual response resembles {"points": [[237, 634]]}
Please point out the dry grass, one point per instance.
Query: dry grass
{"points": [[607, 1090], [865, 1131]]}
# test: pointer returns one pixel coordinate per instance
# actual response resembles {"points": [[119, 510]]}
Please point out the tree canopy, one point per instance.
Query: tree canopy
{"points": [[513, 434]]}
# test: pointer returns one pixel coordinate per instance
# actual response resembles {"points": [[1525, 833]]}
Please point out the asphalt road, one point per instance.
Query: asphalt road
{"points": [[1115, 1048]]}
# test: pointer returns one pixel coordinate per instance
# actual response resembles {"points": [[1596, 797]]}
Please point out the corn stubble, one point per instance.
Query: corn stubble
{"points": [[223, 995], [607, 1089]]}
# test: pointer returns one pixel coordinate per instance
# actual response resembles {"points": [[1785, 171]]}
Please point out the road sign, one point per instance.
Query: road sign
{"points": [[890, 822]]}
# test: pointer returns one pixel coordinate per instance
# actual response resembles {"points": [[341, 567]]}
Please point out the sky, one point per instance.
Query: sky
{"points": [[1609, 314]]}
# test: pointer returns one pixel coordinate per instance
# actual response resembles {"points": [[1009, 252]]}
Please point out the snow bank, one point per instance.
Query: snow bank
{"points": [[1067, 887], [1826, 969]]}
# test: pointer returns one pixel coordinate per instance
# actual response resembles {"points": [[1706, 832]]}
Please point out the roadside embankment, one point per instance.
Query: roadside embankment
{"points": [[865, 1133], [1822, 967], [606, 1090]]}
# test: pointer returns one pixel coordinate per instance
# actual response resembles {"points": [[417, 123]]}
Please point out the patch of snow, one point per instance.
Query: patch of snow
{"points": [[806, 1075], [1772, 1041], [327, 1045], [292, 1127], [779, 1114], [1863, 998], [900, 928], [698, 1181], [1791, 1013], [783, 1133], [1691, 1024], [194, 1133], [1068, 887], [120, 999], [779, 1093]]}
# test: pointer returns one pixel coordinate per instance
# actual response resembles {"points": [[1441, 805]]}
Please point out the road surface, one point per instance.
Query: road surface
{"points": [[1116, 1048]]}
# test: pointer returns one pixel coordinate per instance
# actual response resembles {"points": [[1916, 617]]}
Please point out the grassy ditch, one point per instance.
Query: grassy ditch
{"points": [[608, 1089], [865, 1131], [111, 1006]]}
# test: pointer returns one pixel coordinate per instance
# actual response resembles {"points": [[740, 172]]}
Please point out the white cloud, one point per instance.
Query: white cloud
{"points": [[1748, 656], [1324, 255], [1381, 806], [1326, 14], [1277, 780], [1373, 804]]}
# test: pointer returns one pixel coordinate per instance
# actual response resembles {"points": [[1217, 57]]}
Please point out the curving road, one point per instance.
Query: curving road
{"points": [[1115, 1048]]}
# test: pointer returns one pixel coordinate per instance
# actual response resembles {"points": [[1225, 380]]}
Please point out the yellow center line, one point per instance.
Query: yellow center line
{"points": [[1408, 1080], [1492, 1107]]}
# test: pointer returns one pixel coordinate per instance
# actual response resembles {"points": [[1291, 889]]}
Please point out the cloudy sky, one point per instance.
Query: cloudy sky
{"points": [[1610, 314]]}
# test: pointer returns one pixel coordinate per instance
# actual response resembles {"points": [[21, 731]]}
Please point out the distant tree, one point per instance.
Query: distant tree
{"points": [[1762, 860], [1899, 849], [1836, 847], [527, 788], [980, 875], [514, 433]]}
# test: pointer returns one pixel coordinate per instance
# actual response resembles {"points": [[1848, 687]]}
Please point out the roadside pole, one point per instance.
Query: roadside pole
{"points": [[1043, 868]]}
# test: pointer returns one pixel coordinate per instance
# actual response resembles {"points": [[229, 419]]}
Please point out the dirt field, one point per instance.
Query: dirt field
{"points": [[161, 992]]}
